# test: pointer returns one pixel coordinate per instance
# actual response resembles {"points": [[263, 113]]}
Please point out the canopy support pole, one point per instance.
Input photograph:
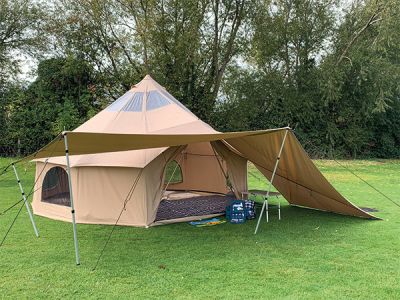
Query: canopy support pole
{"points": [[71, 197], [25, 201], [265, 204]]}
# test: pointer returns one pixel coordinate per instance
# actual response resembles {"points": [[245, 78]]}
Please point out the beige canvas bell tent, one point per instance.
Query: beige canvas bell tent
{"points": [[119, 158]]}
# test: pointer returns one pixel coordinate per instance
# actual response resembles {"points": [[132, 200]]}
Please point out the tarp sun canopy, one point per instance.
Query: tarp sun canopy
{"points": [[92, 142], [297, 178]]}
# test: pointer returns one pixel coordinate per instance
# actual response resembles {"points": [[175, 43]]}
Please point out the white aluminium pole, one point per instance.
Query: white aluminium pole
{"points": [[26, 201], [265, 204], [71, 197]]}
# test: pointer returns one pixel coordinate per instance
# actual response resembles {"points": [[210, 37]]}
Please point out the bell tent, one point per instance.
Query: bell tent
{"points": [[119, 158]]}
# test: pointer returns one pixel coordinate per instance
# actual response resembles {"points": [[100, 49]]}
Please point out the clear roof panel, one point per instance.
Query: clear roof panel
{"points": [[120, 102], [134, 104], [156, 100]]}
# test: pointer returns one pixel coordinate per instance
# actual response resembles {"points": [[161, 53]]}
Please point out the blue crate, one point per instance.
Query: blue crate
{"points": [[235, 212]]}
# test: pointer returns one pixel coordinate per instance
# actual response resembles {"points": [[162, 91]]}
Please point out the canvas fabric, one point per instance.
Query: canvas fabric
{"points": [[236, 167], [200, 170], [138, 134], [100, 193]]}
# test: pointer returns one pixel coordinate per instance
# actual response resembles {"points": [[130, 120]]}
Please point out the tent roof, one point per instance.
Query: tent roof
{"points": [[146, 108]]}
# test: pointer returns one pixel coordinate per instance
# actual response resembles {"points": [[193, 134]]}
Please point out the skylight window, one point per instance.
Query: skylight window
{"points": [[156, 100], [135, 104], [120, 102]]}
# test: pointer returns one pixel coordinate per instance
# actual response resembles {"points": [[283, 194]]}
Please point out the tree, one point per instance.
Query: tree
{"points": [[359, 78], [62, 96], [336, 82], [237, 64], [186, 45], [67, 119], [20, 34], [289, 39]]}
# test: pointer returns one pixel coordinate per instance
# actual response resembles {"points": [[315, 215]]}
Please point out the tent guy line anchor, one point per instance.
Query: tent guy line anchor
{"points": [[265, 204]]}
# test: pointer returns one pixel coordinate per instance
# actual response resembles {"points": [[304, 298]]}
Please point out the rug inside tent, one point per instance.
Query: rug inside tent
{"points": [[176, 205]]}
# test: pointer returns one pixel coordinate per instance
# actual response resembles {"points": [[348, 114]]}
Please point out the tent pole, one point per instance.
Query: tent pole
{"points": [[25, 201], [71, 197], [265, 204]]}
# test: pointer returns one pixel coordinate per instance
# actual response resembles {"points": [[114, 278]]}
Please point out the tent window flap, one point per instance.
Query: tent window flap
{"points": [[55, 187]]}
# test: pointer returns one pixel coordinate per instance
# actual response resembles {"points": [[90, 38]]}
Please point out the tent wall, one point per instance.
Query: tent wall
{"points": [[236, 167], [54, 211], [103, 191], [297, 178], [200, 170], [154, 177], [100, 193]]}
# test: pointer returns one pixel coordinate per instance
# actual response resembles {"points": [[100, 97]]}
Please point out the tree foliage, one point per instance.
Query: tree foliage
{"points": [[60, 97], [185, 45], [328, 68], [336, 83], [20, 27]]}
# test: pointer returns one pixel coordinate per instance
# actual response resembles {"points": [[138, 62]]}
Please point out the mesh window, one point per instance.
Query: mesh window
{"points": [[55, 187], [173, 173], [118, 104], [156, 100], [135, 104]]}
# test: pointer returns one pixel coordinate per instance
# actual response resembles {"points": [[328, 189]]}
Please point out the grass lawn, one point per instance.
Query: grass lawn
{"points": [[309, 254]]}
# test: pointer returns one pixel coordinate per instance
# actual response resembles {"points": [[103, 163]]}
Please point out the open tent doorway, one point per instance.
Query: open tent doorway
{"points": [[197, 184]]}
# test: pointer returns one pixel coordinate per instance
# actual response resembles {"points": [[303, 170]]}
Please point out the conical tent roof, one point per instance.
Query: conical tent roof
{"points": [[146, 108]]}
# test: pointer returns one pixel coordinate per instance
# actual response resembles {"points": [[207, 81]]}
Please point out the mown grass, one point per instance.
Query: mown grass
{"points": [[309, 254]]}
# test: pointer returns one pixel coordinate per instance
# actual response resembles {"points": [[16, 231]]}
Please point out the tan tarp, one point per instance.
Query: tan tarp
{"points": [[298, 179], [91, 142], [138, 134]]}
